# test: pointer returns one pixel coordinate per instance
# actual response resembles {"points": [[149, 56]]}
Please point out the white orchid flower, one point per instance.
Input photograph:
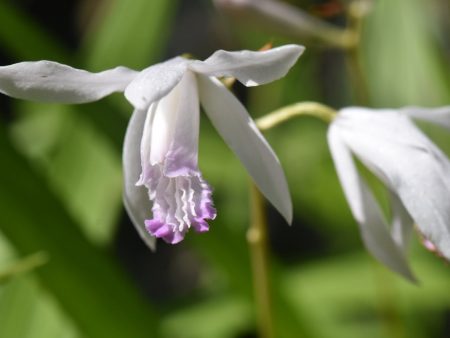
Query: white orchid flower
{"points": [[414, 170], [161, 143]]}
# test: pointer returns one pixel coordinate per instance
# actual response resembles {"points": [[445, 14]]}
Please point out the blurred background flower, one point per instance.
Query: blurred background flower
{"points": [[60, 179]]}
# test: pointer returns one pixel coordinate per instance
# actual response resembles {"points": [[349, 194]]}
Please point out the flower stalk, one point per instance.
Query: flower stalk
{"points": [[257, 241], [286, 113], [24, 265], [257, 237], [289, 20], [388, 310], [357, 11]]}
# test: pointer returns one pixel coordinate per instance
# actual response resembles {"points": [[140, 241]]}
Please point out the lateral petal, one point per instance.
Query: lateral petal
{"points": [[439, 116], [402, 223], [365, 209], [48, 81], [250, 67], [136, 199], [155, 82], [234, 124]]}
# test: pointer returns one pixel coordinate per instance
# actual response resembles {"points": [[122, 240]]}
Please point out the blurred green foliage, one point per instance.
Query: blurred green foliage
{"points": [[60, 187]]}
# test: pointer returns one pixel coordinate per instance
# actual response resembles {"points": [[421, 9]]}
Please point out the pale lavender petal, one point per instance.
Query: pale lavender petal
{"points": [[48, 81], [155, 82], [365, 209], [179, 203], [250, 67], [135, 198], [234, 124]]}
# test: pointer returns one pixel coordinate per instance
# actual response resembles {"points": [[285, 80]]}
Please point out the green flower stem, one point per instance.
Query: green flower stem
{"points": [[357, 11], [24, 265], [257, 233], [257, 241], [291, 21], [389, 312], [281, 115], [388, 309]]}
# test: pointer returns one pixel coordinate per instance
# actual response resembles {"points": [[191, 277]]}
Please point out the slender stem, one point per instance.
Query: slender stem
{"points": [[388, 310], [289, 20], [24, 265], [281, 115], [257, 233], [357, 11], [257, 241], [357, 77]]}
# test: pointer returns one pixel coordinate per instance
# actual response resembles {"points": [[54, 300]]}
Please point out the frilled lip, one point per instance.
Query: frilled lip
{"points": [[415, 171]]}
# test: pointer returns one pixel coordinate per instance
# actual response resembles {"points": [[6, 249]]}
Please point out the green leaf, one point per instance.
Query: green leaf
{"points": [[27, 311], [130, 35], [22, 266], [82, 167], [401, 55], [90, 287], [345, 296], [219, 318]]}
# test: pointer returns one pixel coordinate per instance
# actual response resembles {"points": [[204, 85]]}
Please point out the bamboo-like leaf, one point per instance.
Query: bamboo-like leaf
{"points": [[27, 311], [401, 55], [88, 284], [130, 35]]}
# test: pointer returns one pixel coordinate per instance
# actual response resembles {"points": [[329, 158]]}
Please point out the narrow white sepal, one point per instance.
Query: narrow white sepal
{"points": [[48, 81], [251, 68], [136, 199], [240, 133]]}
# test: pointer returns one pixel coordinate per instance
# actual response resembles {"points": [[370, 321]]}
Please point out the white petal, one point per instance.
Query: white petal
{"points": [[171, 131], [146, 143], [365, 209], [239, 131], [409, 163], [136, 198], [250, 67], [182, 155], [440, 116], [48, 81], [162, 126], [155, 82], [402, 223]]}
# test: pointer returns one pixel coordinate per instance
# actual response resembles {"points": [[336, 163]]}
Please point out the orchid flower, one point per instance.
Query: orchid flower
{"points": [[415, 171], [161, 143]]}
